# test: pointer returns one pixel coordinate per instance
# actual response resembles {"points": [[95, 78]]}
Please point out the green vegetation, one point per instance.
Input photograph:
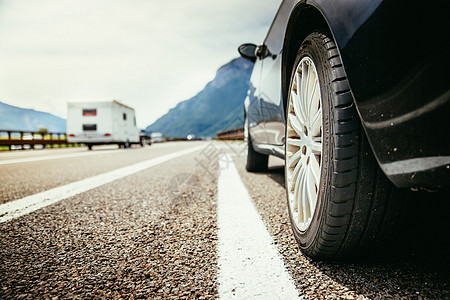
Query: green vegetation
{"points": [[43, 131]]}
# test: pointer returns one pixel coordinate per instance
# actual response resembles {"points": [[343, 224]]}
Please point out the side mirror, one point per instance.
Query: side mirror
{"points": [[248, 51]]}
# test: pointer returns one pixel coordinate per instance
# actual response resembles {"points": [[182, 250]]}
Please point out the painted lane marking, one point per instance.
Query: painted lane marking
{"points": [[20, 207], [249, 264], [58, 156]]}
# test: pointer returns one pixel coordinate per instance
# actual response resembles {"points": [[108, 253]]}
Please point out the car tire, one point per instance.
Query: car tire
{"points": [[256, 162], [341, 205], [89, 147]]}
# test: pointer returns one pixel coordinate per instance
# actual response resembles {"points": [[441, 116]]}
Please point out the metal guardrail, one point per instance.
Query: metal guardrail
{"points": [[12, 138], [231, 134]]}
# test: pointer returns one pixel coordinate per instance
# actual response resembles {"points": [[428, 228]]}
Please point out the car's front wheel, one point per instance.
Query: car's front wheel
{"points": [[340, 203]]}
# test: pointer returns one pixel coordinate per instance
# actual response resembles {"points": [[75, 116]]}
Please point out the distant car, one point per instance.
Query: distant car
{"points": [[157, 137], [354, 95], [145, 138], [191, 137]]}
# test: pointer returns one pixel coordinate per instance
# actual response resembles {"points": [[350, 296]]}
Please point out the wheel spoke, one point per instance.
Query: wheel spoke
{"points": [[316, 123], [298, 100], [303, 91], [298, 204], [294, 159], [311, 98], [296, 125], [297, 109], [315, 170], [294, 100], [296, 171], [304, 198], [294, 142], [314, 104], [297, 187], [316, 147], [310, 190], [298, 81], [307, 92]]}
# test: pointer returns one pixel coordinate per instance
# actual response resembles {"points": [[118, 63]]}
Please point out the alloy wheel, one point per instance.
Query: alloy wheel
{"points": [[304, 143]]}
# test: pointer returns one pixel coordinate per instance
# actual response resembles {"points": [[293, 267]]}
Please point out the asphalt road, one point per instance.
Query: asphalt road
{"points": [[159, 227]]}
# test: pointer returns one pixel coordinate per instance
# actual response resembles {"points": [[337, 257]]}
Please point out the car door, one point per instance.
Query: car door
{"points": [[272, 109], [271, 100]]}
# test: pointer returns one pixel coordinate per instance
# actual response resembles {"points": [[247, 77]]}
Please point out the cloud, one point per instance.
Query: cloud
{"points": [[148, 54]]}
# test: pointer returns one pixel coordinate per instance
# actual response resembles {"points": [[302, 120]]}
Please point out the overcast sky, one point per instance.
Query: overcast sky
{"points": [[149, 54]]}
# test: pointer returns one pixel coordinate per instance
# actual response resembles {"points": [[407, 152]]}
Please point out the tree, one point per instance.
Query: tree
{"points": [[43, 130]]}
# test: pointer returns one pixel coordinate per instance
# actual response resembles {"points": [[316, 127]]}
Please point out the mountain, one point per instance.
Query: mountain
{"points": [[219, 106], [16, 118]]}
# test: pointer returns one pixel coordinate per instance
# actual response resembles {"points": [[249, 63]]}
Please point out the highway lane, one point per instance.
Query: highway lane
{"points": [[155, 234], [44, 250], [7, 155], [130, 237], [19, 180]]}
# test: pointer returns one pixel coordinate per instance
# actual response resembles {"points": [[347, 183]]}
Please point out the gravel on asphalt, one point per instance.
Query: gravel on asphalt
{"points": [[149, 235], [414, 275], [153, 235]]}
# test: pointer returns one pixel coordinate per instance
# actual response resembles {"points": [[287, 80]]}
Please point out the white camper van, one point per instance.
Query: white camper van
{"points": [[98, 123]]}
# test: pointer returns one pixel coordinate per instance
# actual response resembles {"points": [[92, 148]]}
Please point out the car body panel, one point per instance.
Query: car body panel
{"points": [[394, 57]]}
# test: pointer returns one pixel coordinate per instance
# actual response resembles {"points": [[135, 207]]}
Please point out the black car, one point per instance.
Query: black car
{"points": [[354, 95]]}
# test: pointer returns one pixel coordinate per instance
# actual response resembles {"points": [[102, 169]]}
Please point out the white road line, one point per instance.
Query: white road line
{"points": [[249, 264], [59, 156], [20, 207]]}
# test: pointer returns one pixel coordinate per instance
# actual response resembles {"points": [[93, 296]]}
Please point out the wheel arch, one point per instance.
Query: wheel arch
{"points": [[303, 20]]}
